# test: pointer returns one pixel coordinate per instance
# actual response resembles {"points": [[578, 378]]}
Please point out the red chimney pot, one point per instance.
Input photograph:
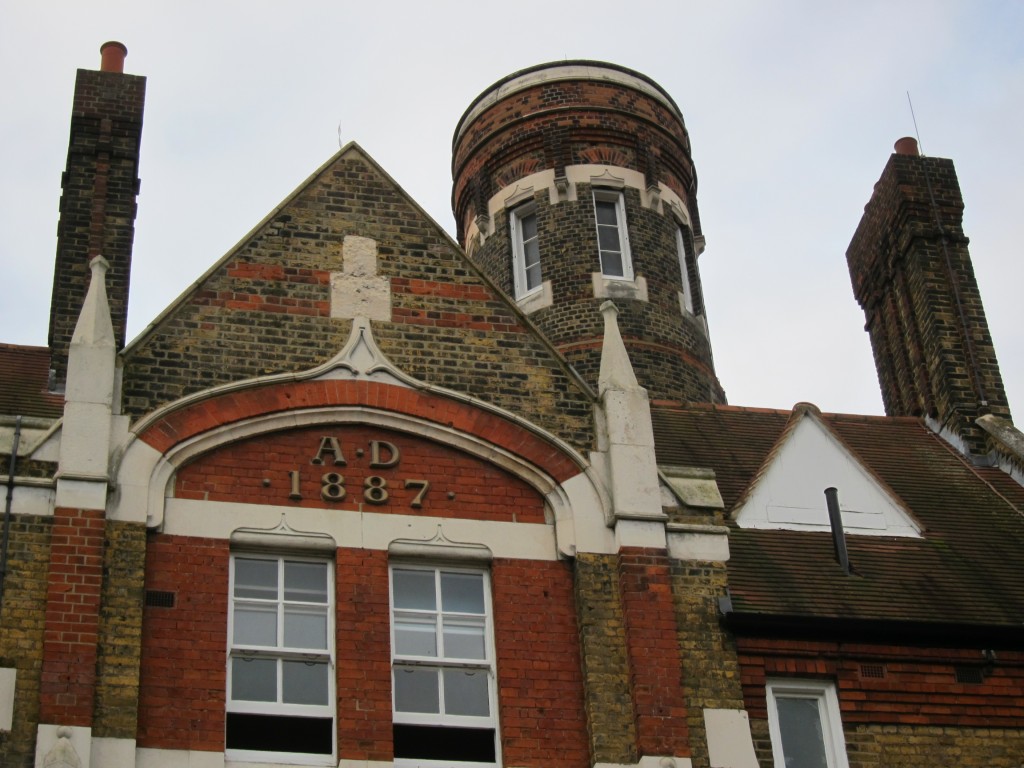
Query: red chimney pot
{"points": [[907, 146], [112, 56]]}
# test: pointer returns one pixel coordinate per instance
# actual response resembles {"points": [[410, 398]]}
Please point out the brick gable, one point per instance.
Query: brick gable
{"points": [[265, 308]]}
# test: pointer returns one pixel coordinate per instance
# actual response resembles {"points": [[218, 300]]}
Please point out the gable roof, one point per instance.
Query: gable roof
{"points": [[24, 373], [965, 571], [788, 491], [266, 307]]}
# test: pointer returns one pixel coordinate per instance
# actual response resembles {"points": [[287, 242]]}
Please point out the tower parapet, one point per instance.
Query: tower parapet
{"points": [[573, 184]]}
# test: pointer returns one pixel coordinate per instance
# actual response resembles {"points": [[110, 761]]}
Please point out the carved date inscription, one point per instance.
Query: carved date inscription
{"points": [[375, 488]]}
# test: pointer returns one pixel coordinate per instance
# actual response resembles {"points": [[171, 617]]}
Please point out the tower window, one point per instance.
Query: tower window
{"points": [[280, 702], [684, 269], [612, 238], [525, 250], [443, 667]]}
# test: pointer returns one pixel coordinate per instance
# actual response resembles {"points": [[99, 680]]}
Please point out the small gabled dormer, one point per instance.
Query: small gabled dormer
{"points": [[788, 491]]}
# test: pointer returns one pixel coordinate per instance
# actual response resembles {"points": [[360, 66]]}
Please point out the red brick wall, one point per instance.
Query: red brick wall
{"points": [[918, 686], [184, 648], [74, 583], [656, 677], [256, 471], [540, 680], [364, 655], [184, 655]]}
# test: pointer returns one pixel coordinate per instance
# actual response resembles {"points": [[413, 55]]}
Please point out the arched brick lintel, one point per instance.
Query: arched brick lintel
{"points": [[232, 407]]}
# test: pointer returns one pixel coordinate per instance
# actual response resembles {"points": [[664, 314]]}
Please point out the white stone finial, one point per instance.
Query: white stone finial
{"points": [[88, 399], [616, 370], [94, 328]]}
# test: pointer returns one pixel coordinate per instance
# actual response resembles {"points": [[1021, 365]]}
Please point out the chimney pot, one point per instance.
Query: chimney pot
{"points": [[907, 146], [112, 56]]}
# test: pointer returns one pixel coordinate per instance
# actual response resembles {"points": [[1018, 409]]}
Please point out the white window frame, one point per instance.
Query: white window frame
{"points": [[614, 196], [281, 653], [519, 265], [439, 662], [684, 272], [824, 693]]}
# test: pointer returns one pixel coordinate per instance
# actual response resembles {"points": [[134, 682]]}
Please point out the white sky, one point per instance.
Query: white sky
{"points": [[792, 108]]}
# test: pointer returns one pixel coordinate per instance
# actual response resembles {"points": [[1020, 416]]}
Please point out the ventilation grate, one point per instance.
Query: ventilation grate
{"points": [[969, 675], [874, 671], [156, 598]]}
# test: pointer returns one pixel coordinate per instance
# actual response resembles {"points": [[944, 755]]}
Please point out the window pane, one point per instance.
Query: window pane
{"points": [[414, 589], [463, 641], [611, 264], [255, 625], [415, 638], [465, 692], [416, 690], [800, 727], [532, 250], [304, 682], [305, 582], [280, 733], [605, 212], [533, 276], [305, 629], [608, 238], [529, 225], [253, 679], [256, 578], [462, 593]]}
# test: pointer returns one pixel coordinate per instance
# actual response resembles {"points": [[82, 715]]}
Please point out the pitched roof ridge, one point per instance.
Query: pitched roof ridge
{"points": [[24, 347], [872, 418], [676, 405]]}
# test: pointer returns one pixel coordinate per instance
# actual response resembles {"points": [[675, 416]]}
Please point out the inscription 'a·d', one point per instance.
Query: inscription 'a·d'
{"points": [[383, 454]]}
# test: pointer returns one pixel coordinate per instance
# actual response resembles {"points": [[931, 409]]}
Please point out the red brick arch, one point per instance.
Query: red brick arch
{"points": [[193, 419]]}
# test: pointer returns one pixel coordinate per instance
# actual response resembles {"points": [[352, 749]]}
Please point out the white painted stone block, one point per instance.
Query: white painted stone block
{"points": [[56, 742], [8, 680], [729, 742]]}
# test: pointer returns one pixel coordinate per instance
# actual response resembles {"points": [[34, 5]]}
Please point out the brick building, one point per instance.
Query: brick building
{"points": [[366, 496]]}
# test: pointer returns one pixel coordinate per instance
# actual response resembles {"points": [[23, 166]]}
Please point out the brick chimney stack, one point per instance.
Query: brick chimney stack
{"points": [[97, 207], [912, 275]]}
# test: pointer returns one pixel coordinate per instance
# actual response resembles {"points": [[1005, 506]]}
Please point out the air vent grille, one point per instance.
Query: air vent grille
{"points": [[156, 598]]}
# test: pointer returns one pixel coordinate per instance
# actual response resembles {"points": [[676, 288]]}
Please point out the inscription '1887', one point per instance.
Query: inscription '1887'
{"points": [[375, 488]]}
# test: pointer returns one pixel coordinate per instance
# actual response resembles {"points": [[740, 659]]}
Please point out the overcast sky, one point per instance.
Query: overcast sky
{"points": [[792, 108]]}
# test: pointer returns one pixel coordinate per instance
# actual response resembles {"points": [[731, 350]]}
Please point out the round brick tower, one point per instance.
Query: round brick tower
{"points": [[573, 184]]}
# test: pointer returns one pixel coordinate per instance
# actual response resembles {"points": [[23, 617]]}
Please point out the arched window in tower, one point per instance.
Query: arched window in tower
{"points": [[525, 250], [686, 298], [612, 238]]}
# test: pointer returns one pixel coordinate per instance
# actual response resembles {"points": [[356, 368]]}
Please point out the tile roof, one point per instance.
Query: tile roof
{"points": [[967, 570], [23, 383]]}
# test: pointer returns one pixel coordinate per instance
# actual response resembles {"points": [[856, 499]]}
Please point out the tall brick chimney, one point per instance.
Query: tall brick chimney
{"points": [[97, 207], [912, 275]]}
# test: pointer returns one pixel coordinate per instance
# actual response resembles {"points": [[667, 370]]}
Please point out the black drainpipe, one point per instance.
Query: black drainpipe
{"points": [[835, 519], [7, 508]]}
